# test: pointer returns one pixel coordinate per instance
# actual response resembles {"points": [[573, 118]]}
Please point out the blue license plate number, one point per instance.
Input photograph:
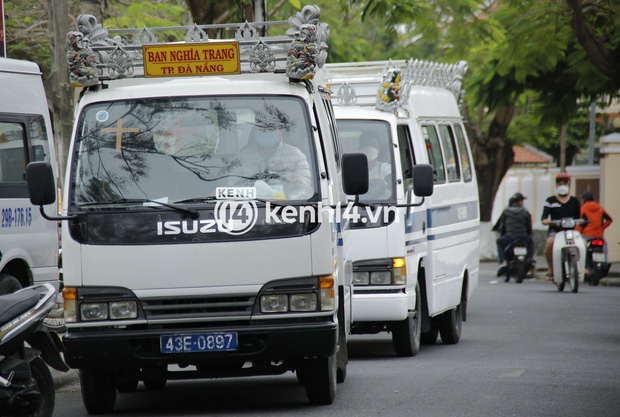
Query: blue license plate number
{"points": [[204, 342]]}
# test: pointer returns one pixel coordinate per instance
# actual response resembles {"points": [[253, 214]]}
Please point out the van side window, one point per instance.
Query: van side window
{"points": [[13, 153], [450, 153], [407, 157], [434, 152], [464, 154], [332, 127]]}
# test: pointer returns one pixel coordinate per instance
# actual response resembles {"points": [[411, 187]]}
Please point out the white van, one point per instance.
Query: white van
{"points": [[414, 271], [28, 243], [194, 240]]}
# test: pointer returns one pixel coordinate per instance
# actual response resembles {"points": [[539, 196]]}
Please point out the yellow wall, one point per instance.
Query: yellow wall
{"points": [[610, 190]]}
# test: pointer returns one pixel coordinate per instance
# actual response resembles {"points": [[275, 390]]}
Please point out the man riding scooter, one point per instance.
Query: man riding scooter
{"points": [[597, 221], [514, 223], [557, 207]]}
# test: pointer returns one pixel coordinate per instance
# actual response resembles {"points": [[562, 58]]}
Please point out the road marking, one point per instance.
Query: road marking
{"points": [[514, 374]]}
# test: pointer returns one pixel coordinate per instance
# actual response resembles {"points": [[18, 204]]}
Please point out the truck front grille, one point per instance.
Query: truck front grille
{"points": [[198, 307]]}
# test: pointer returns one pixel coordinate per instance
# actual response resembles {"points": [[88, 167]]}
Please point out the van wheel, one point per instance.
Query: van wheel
{"points": [[430, 337], [450, 325], [9, 284], [407, 334], [98, 390], [320, 379]]}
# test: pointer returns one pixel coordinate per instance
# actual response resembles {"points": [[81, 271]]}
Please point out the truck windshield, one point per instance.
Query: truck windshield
{"points": [[180, 149], [373, 138]]}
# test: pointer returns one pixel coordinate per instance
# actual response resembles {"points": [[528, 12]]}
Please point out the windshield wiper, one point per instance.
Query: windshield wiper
{"points": [[213, 198], [190, 212], [196, 200]]}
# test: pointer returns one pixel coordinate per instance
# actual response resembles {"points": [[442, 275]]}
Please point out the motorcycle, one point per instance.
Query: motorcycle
{"points": [[596, 264], [26, 348], [518, 264], [569, 254]]}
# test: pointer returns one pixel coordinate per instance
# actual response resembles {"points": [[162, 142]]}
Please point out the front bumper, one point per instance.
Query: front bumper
{"points": [[379, 307], [118, 349]]}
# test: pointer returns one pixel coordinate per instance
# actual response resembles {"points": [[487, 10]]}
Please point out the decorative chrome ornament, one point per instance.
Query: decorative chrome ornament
{"points": [[195, 35], [346, 95], [146, 37], [261, 58], [246, 33], [120, 65]]}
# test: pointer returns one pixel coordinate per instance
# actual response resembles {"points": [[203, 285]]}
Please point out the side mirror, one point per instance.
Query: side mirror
{"points": [[41, 187], [355, 173], [423, 175]]}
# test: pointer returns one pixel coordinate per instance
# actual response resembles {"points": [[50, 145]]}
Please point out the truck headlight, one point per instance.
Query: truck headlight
{"points": [[123, 310], [381, 278], [274, 303], [303, 302], [94, 311], [361, 278]]}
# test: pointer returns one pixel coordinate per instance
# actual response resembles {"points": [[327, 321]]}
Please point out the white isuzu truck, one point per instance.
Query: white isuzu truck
{"points": [[199, 236]]}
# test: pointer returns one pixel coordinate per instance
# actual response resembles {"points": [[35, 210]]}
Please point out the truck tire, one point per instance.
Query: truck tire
{"points": [[98, 390], [407, 334], [320, 379], [450, 325]]}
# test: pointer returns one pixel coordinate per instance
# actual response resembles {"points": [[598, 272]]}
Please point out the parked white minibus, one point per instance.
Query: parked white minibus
{"points": [[414, 272], [199, 236], [28, 243]]}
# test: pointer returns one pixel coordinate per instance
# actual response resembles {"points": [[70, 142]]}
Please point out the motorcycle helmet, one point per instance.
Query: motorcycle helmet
{"points": [[562, 176]]}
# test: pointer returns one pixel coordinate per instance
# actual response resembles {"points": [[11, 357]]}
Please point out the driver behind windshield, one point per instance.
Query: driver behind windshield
{"points": [[277, 170]]}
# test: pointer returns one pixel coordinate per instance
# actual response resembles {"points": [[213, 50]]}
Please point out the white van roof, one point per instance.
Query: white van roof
{"points": [[19, 66], [428, 89]]}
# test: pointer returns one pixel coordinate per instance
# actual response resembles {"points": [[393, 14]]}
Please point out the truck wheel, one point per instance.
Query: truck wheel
{"points": [[45, 385], [407, 334], [98, 390], [9, 284], [450, 325], [126, 384], [155, 384], [320, 379]]}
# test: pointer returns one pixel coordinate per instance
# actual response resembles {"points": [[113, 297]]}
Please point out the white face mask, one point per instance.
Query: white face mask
{"points": [[562, 189], [371, 153]]}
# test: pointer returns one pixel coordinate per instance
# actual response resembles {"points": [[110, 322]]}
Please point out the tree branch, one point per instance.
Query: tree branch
{"points": [[594, 47]]}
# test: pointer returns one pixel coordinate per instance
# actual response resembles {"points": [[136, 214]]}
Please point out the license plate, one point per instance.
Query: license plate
{"points": [[204, 342], [520, 251], [598, 257]]}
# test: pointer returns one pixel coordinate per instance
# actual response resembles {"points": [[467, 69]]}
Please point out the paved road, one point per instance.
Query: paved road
{"points": [[526, 350]]}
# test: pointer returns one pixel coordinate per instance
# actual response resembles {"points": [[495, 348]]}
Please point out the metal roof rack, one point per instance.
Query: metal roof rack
{"points": [[391, 81], [94, 56]]}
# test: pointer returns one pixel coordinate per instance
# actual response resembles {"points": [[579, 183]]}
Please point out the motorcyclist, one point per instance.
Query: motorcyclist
{"points": [[598, 219], [559, 206], [514, 223]]}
